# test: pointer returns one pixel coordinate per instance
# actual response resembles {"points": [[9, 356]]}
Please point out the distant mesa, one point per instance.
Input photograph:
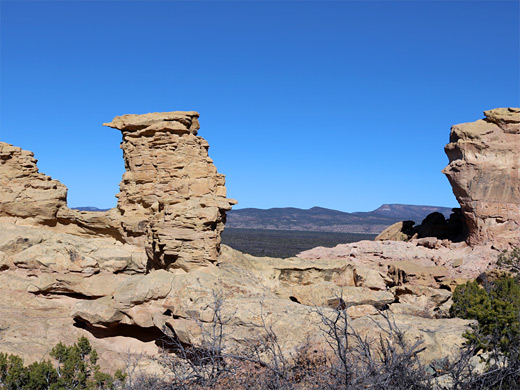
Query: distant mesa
{"points": [[321, 219], [88, 208]]}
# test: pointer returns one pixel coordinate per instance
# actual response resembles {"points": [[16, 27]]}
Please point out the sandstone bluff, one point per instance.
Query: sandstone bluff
{"points": [[149, 268], [172, 201]]}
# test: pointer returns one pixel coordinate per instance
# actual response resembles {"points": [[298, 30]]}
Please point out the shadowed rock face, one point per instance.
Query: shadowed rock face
{"points": [[483, 171], [172, 200]]}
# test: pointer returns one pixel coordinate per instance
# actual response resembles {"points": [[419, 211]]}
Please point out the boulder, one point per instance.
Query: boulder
{"points": [[41, 249], [399, 231], [421, 301]]}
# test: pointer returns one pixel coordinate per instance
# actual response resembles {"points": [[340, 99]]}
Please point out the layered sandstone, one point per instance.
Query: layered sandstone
{"points": [[26, 194], [172, 200], [483, 171], [84, 273]]}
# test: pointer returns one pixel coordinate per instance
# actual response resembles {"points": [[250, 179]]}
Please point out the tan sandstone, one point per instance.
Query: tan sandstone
{"points": [[172, 200], [153, 267], [26, 193], [484, 174]]}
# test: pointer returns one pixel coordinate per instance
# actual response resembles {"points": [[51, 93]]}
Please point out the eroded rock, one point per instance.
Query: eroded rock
{"points": [[27, 195], [172, 199], [73, 273], [484, 174]]}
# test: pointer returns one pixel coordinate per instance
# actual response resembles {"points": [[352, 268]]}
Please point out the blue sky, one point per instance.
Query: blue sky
{"points": [[342, 104]]}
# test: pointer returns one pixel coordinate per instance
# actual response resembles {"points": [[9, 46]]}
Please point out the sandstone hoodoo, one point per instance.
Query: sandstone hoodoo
{"points": [[483, 171], [172, 200]]}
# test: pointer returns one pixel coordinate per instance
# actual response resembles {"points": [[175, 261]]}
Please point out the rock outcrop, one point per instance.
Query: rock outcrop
{"points": [[434, 225], [106, 274], [172, 200], [399, 231], [424, 261], [58, 286], [25, 193], [484, 174]]}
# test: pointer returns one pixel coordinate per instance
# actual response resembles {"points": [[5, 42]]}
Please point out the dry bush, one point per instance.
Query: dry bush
{"points": [[351, 361]]}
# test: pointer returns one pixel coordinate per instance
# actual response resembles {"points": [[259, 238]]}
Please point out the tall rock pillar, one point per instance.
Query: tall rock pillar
{"points": [[172, 200], [483, 171]]}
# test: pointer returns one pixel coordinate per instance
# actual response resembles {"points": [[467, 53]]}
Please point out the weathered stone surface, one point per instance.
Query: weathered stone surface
{"points": [[41, 249], [327, 294], [441, 337], [251, 295], [399, 231], [90, 223], [429, 262], [172, 200], [136, 309], [484, 174], [82, 273], [421, 301], [27, 196], [371, 278]]}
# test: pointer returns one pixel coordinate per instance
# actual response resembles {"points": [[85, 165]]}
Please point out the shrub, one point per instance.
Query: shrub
{"points": [[76, 369], [510, 260], [496, 308]]}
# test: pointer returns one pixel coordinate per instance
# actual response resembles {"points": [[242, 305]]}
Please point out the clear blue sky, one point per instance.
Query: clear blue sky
{"points": [[343, 104]]}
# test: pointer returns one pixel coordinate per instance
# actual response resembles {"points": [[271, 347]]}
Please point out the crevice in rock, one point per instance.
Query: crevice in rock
{"points": [[133, 331], [70, 294]]}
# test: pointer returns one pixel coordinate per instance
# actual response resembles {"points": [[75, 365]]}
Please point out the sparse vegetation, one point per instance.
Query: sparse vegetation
{"points": [[76, 369], [490, 359], [285, 243], [510, 260], [495, 305]]}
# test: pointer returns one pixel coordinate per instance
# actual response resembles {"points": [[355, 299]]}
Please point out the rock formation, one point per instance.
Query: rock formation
{"points": [[434, 225], [172, 200], [483, 171], [69, 273], [25, 193]]}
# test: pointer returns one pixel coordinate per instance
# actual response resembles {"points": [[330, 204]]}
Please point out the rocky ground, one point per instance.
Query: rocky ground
{"points": [[65, 294]]}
